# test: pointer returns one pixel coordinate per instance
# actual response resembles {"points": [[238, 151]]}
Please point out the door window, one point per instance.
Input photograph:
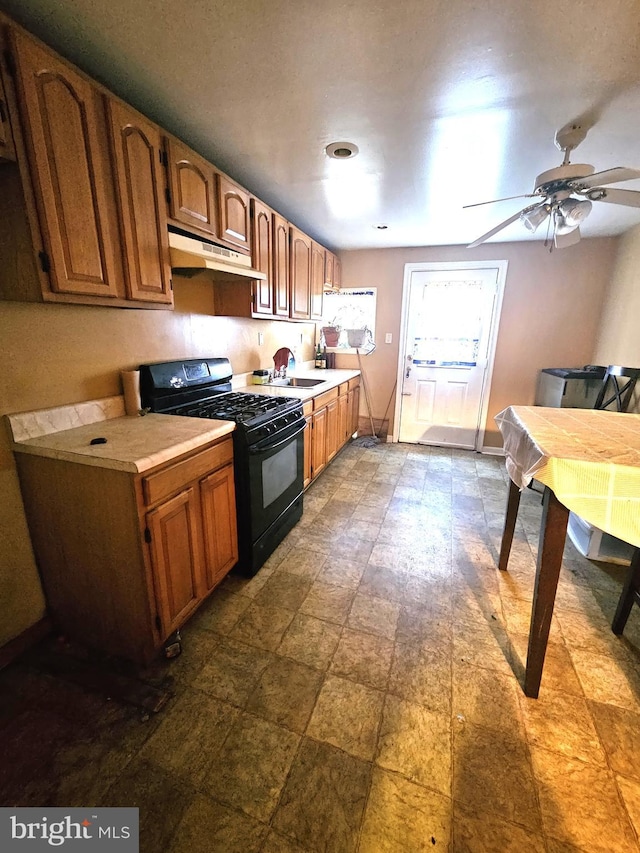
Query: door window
{"points": [[449, 324]]}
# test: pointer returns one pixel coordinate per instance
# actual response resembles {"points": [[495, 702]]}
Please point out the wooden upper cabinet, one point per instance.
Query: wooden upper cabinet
{"points": [[262, 256], [329, 259], [68, 158], [300, 275], [317, 281], [139, 173], [7, 150], [234, 215], [280, 266], [192, 197], [337, 272]]}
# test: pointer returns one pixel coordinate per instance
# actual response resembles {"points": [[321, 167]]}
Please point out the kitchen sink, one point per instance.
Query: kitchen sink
{"points": [[297, 382]]}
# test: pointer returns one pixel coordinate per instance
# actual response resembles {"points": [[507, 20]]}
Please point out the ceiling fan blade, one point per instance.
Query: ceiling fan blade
{"points": [[494, 200], [609, 176], [631, 198], [498, 228], [562, 241]]}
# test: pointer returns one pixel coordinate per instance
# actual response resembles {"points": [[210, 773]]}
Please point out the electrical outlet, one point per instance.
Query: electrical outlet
{"points": [[388, 338], [260, 338]]}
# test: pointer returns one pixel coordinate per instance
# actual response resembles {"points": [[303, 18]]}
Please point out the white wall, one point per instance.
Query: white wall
{"points": [[618, 340]]}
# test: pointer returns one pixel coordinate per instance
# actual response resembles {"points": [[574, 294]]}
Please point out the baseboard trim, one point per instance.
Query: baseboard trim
{"points": [[492, 451], [16, 647]]}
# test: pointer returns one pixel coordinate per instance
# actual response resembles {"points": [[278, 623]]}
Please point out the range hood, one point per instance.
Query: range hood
{"points": [[190, 256]]}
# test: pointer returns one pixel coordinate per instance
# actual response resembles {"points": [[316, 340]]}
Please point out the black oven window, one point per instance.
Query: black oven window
{"points": [[278, 473]]}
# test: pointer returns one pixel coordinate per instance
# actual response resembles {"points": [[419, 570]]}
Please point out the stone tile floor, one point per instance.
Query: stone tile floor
{"points": [[362, 692]]}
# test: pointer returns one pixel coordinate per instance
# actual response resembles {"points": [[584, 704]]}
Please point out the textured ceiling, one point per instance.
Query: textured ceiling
{"points": [[450, 101]]}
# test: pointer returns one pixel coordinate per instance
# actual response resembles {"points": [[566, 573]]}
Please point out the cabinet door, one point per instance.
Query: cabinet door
{"points": [[332, 430], [191, 188], [319, 441], [317, 281], [176, 556], [307, 451], [7, 151], [218, 499], [328, 268], [343, 419], [141, 194], [69, 162], [337, 272], [354, 410], [280, 266], [300, 278], [234, 219], [262, 257]]}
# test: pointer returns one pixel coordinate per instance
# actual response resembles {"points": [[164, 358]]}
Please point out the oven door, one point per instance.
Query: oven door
{"points": [[275, 476]]}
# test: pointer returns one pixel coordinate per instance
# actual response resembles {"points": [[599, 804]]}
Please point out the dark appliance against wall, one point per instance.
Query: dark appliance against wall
{"points": [[569, 387], [268, 445]]}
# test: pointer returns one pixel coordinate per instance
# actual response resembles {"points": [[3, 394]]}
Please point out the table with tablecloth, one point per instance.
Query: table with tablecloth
{"points": [[589, 462]]}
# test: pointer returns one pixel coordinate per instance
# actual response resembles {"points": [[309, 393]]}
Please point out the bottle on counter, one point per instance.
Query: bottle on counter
{"points": [[318, 356], [324, 359]]}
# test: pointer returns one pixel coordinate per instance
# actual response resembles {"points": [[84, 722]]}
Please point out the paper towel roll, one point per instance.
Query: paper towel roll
{"points": [[131, 388]]}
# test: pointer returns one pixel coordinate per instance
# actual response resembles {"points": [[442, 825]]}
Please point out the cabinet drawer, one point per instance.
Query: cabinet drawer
{"points": [[343, 388], [354, 383], [170, 480], [322, 399], [307, 407]]}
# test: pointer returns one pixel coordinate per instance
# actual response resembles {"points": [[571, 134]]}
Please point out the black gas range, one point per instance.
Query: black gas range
{"points": [[268, 445]]}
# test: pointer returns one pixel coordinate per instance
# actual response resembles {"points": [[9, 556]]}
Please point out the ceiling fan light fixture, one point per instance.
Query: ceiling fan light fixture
{"points": [[532, 218], [562, 226], [574, 211]]}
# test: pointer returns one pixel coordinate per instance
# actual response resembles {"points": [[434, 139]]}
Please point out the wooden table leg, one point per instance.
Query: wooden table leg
{"points": [[630, 593], [513, 502], [553, 531]]}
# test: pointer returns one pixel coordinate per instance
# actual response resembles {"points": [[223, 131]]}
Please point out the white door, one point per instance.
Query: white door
{"points": [[450, 315]]}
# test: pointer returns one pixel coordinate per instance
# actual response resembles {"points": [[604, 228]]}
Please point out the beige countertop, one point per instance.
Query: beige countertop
{"points": [[329, 379], [133, 444], [138, 444]]}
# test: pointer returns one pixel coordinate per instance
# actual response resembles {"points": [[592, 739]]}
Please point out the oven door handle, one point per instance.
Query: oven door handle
{"points": [[261, 448]]}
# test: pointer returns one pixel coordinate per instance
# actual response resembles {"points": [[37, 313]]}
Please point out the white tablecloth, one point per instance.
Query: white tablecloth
{"points": [[590, 458]]}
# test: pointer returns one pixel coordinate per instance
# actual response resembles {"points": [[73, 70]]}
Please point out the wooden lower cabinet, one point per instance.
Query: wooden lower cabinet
{"points": [[308, 432], [333, 443], [343, 413], [126, 558], [318, 441], [217, 494], [332, 418], [353, 405], [332, 422], [176, 556]]}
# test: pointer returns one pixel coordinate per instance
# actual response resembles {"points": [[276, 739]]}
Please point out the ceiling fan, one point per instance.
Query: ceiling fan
{"points": [[565, 194]]}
